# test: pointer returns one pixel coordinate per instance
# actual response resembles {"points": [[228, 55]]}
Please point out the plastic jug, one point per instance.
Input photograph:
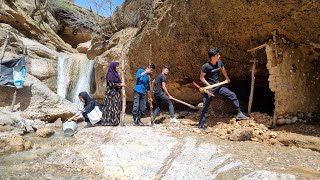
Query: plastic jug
{"points": [[19, 76]]}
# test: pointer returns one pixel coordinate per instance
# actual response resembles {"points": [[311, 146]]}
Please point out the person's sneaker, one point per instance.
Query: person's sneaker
{"points": [[241, 116], [151, 123], [201, 126], [140, 123], [174, 120], [88, 125], [135, 122]]}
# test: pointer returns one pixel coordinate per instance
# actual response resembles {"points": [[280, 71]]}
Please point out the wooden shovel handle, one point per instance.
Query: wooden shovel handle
{"points": [[216, 85], [206, 91], [185, 103]]}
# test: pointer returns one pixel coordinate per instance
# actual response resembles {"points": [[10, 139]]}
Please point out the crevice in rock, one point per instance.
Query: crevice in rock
{"points": [[169, 160]]}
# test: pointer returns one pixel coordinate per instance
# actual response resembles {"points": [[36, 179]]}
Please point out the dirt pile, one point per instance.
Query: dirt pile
{"points": [[245, 130], [303, 134], [260, 118]]}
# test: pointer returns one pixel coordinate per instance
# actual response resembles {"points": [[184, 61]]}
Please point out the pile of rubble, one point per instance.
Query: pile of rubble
{"points": [[260, 118], [246, 130]]}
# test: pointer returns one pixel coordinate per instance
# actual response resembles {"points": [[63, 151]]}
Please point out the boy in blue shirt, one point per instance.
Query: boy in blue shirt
{"points": [[139, 96]]}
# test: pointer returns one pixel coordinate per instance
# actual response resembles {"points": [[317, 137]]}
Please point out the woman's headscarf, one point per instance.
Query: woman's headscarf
{"points": [[86, 97], [112, 74]]}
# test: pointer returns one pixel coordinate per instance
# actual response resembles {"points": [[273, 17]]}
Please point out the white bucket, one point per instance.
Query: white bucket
{"points": [[69, 127]]}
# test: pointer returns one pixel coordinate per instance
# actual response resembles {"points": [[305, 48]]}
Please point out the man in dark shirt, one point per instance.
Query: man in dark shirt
{"points": [[210, 75], [139, 95], [161, 94]]}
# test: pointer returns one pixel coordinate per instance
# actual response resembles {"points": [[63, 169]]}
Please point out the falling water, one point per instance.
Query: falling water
{"points": [[83, 81], [63, 81], [74, 75]]}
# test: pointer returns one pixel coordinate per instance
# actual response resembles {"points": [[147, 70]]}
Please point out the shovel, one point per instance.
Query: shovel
{"points": [[206, 91], [187, 104]]}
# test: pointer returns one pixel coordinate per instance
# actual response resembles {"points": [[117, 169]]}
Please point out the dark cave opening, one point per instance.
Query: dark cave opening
{"points": [[263, 97]]}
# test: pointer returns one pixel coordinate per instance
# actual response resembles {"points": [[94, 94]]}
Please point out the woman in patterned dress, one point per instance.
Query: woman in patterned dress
{"points": [[112, 100]]}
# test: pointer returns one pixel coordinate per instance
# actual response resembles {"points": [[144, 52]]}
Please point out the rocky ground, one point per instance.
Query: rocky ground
{"points": [[168, 151]]}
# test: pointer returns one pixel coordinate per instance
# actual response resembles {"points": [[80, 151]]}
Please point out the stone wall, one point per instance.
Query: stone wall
{"points": [[295, 79]]}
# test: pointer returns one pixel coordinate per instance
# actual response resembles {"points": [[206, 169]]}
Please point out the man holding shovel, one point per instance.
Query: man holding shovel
{"points": [[210, 76], [140, 89], [161, 94]]}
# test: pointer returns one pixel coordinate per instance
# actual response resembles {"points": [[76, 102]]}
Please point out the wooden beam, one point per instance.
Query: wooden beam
{"points": [[252, 85], [14, 99], [123, 90], [150, 103], [257, 48], [274, 33]]}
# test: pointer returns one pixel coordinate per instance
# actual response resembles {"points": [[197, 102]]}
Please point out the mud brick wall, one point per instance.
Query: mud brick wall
{"points": [[295, 79]]}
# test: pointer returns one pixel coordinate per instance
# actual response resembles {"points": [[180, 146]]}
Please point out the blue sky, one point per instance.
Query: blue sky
{"points": [[87, 4]]}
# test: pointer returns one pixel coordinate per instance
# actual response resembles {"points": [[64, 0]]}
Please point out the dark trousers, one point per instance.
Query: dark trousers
{"points": [[139, 105], [160, 98], [220, 91], [85, 116]]}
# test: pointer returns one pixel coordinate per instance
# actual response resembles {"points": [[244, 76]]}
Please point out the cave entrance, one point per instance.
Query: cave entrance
{"points": [[263, 97]]}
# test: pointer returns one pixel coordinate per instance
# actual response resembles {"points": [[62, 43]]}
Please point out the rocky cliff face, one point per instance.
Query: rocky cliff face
{"points": [[38, 37], [180, 32]]}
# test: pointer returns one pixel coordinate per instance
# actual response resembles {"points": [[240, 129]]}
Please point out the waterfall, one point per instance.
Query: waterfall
{"points": [[83, 81], [75, 73], [63, 80]]}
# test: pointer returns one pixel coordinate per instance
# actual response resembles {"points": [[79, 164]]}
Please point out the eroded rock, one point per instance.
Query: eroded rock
{"points": [[45, 132], [37, 101], [13, 143]]}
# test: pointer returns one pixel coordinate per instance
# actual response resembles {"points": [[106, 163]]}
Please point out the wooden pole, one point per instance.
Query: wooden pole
{"points": [[150, 103], [252, 85], [123, 90], [274, 119], [14, 99], [4, 49], [274, 33]]}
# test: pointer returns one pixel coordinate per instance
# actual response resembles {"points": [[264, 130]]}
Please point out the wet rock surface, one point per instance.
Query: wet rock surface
{"points": [[165, 151], [45, 132]]}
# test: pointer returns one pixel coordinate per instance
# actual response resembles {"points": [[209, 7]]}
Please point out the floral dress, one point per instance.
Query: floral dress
{"points": [[112, 104]]}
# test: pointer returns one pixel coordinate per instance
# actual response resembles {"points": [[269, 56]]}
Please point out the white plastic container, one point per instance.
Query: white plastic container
{"points": [[19, 75]]}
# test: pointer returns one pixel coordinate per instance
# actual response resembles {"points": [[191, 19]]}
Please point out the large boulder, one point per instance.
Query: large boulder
{"points": [[14, 121], [41, 62], [97, 48], [37, 101], [75, 37], [13, 143], [117, 50], [12, 127], [83, 47]]}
